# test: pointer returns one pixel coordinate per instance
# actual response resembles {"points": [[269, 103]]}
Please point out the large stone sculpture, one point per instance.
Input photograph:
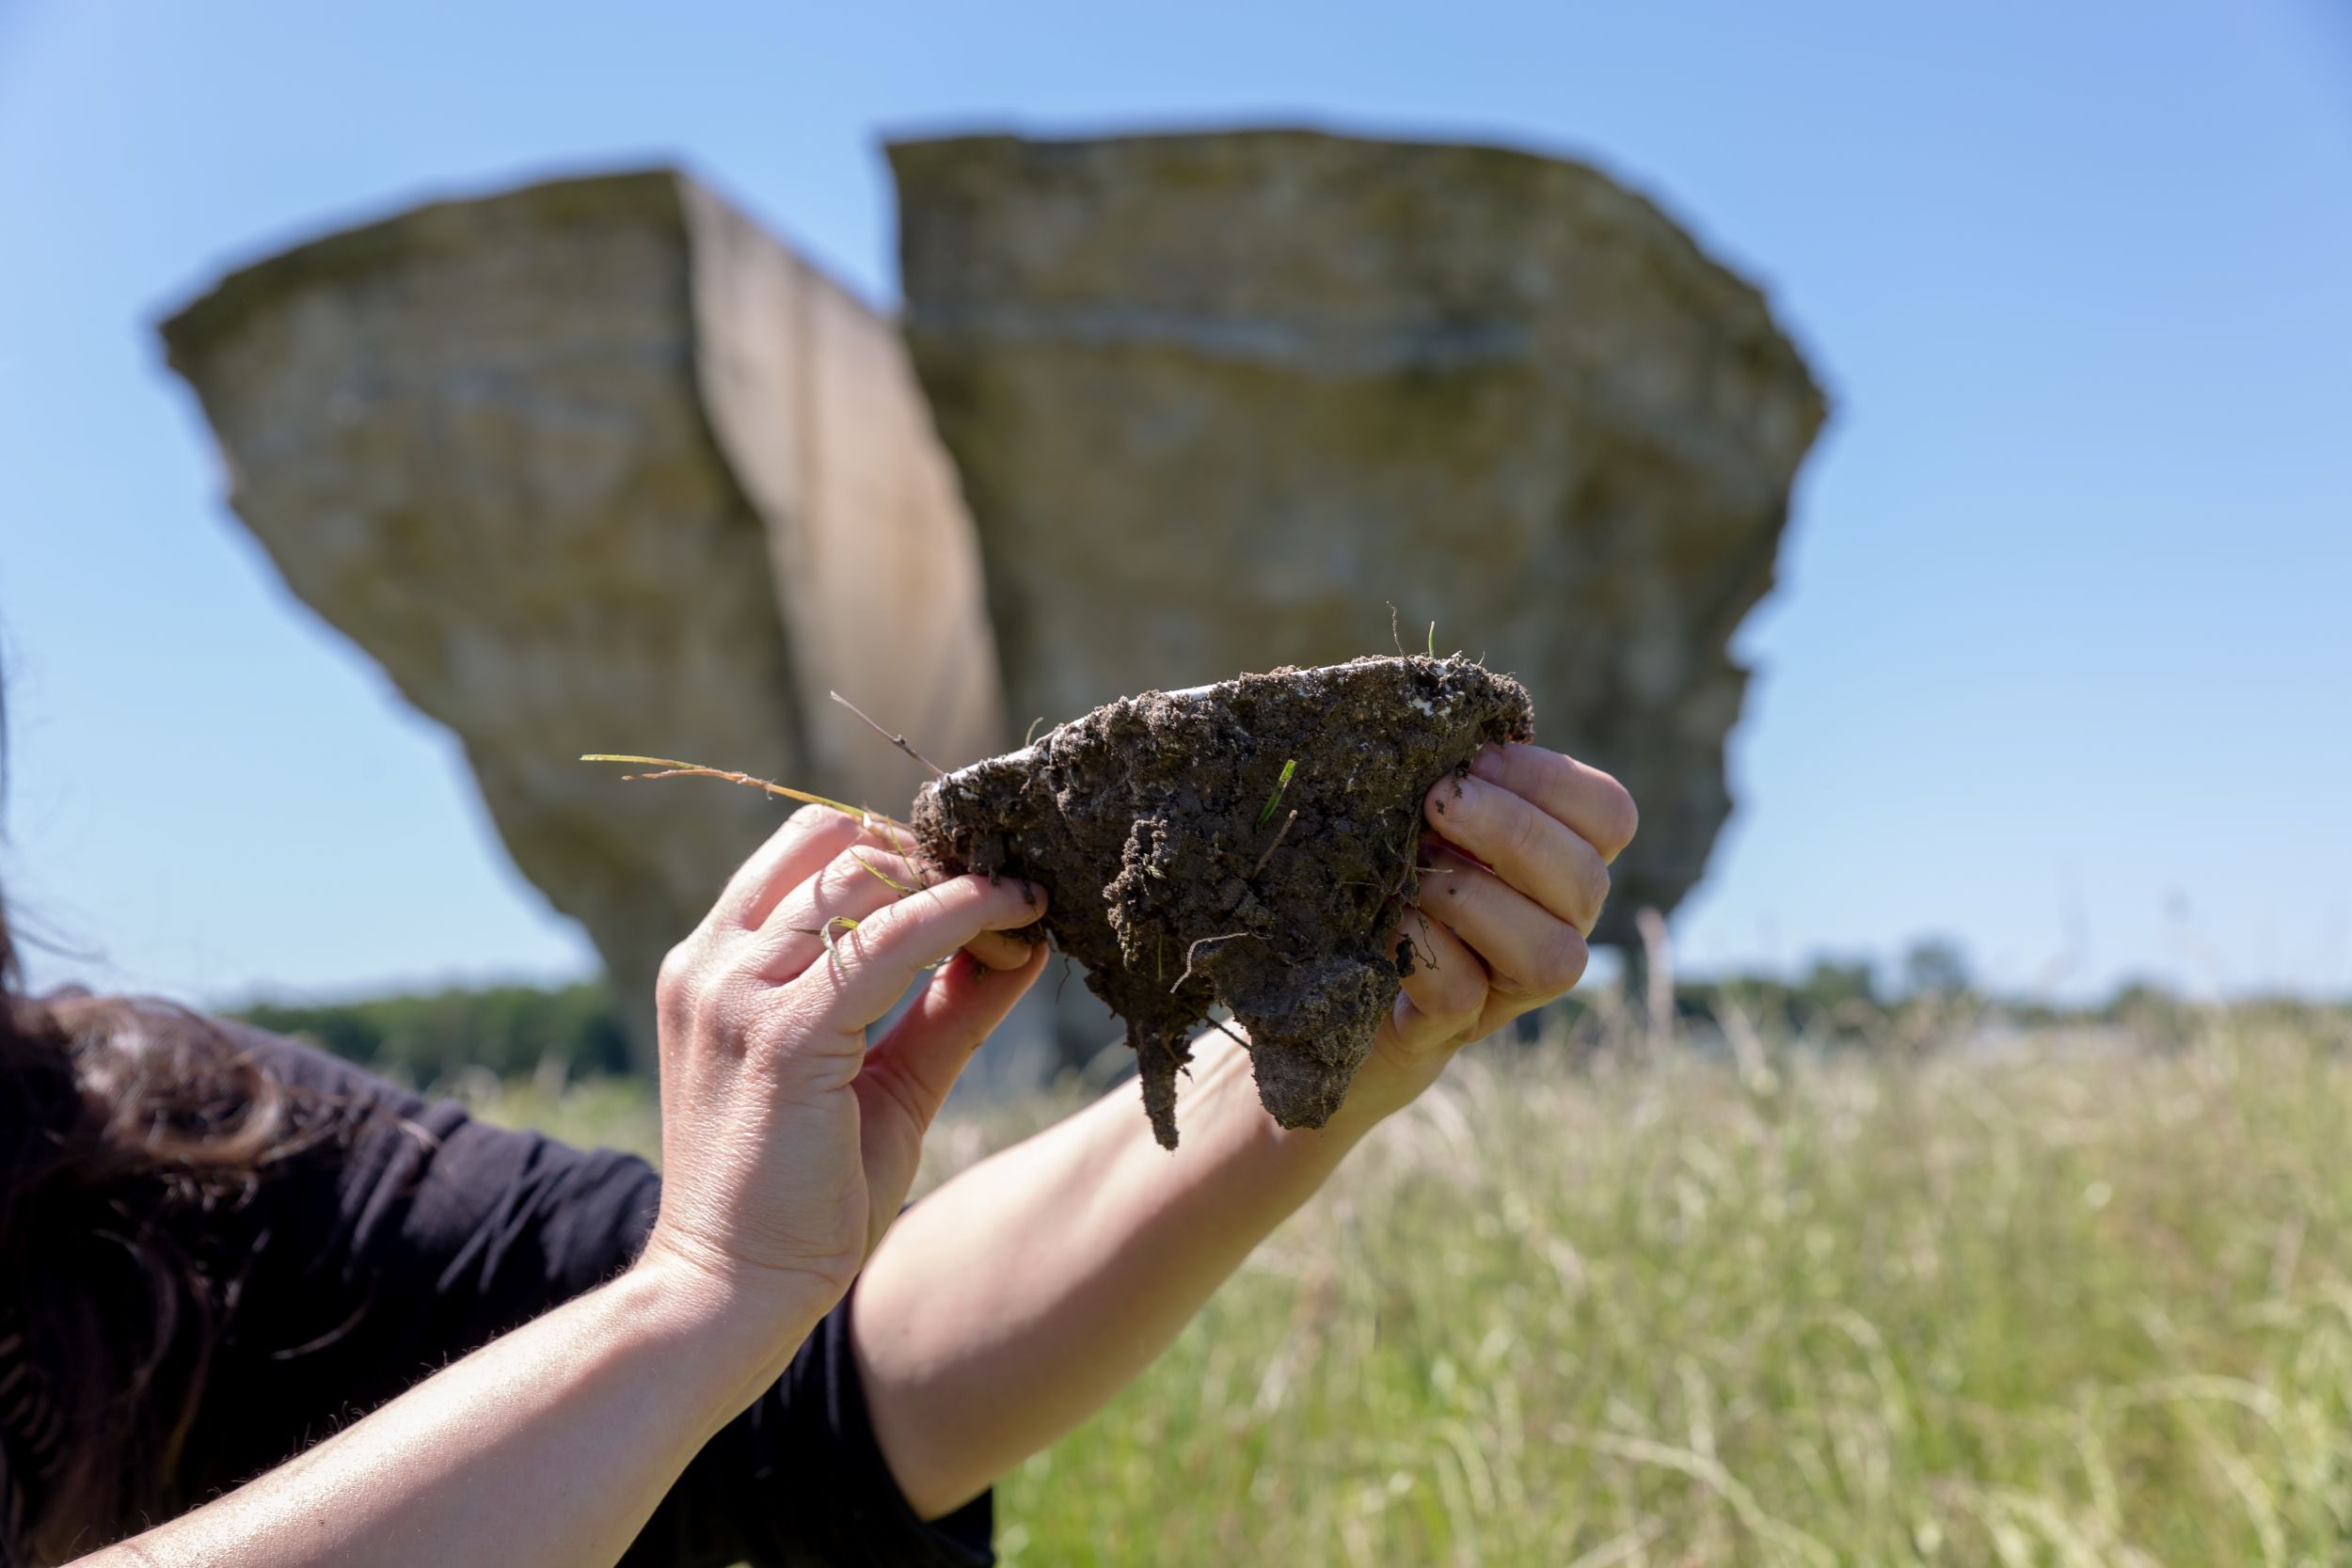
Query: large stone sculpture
{"points": [[599, 466], [1219, 400]]}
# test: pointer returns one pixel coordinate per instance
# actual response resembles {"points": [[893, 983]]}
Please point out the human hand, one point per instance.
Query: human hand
{"points": [[1515, 866], [787, 1143]]}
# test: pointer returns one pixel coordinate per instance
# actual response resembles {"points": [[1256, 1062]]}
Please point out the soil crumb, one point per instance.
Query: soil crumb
{"points": [[1252, 844]]}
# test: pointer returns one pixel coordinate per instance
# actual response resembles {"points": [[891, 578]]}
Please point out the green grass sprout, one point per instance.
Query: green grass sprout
{"points": [[1289, 767], [833, 950], [877, 872]]}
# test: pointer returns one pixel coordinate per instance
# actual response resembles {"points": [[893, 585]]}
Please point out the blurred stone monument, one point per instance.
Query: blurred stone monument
{"points": [[1218, 400], [598, 466]]}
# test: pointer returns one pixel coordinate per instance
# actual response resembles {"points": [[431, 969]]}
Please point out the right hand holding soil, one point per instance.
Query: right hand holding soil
{"points": [[1517, 857], [787, 1143]]}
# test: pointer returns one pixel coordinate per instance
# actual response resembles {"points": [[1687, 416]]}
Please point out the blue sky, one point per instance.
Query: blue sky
{"points": [[2060, 658]]}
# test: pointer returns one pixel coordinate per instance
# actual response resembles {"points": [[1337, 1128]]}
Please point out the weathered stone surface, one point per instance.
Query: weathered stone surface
{"points": [[1218, 400], [598, 466]]}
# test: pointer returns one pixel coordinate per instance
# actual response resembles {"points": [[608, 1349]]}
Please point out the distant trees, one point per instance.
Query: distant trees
{"points": [[1931, 997], [509, 1030], [1837, 997], [1935, 966]]}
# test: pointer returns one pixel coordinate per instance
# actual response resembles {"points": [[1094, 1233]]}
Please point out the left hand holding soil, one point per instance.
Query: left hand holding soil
{"points": [[788, 1142]]}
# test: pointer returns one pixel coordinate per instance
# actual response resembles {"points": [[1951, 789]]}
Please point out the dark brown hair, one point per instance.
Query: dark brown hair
{"points": [[125, 1128]]}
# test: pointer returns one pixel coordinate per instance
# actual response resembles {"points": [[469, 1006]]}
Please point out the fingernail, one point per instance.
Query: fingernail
{"points": [[1487, 763]]}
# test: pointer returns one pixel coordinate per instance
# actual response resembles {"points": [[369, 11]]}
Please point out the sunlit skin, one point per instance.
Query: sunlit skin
{"points": [[990, 1318]]}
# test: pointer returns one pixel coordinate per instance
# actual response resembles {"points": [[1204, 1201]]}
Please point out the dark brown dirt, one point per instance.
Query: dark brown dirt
{"points": [[1184, 874]]}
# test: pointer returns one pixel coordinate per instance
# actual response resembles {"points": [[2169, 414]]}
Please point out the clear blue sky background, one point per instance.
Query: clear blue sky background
{"points": [[2060, 660]]}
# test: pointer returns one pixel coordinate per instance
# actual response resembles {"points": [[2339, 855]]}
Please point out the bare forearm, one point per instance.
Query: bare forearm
{"points": [[1010, 1304], [551, 1446]]}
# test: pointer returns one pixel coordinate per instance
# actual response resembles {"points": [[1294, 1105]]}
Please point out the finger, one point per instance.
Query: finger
{"points": [[809, 837], [820, 910], [1446, 991], [1594, 806], [918, 1061], [880, 958], [1532, 850], [905, 870], [1526, 948], [863, 877], [1001, 949], [885, 834]]}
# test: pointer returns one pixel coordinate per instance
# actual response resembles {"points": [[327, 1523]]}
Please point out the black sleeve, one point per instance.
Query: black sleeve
{"points": [[425, 1234]]}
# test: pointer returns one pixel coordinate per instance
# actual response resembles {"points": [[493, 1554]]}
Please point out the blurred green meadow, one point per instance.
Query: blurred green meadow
{"points": [[2069, 1295]]}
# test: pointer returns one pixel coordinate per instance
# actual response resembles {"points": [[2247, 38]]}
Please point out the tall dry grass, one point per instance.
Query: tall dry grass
{"points": [[2069, 1303]]}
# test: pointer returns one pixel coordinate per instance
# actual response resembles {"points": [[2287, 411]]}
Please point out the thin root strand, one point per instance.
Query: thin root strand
{"points": [[897, 740], [1190, 953], [670, 767], [1274, 843]]}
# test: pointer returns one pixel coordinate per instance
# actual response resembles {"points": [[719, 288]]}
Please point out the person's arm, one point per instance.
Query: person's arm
{"points": [[1009, 1305], [789, 1144], [550, 1446]]}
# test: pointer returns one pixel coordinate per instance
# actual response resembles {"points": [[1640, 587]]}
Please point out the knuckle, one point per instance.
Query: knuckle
{"points": [[1620, 819], [747, 1017], [807, 821], [1456, 997], [709, 992], [840, 886], [1526, 833], [1560, 963], [722, 1026], [1552, 774], [1596, 884], [674, 982]]}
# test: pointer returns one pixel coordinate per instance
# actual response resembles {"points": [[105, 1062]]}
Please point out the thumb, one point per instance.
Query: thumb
{"points": [[919, 1060]]}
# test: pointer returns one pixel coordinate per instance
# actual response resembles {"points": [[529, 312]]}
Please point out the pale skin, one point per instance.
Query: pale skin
{"points": [[990, 1318]]}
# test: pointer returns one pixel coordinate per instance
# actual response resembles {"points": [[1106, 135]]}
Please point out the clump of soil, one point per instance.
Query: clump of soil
{"points": [[1250, 844]]}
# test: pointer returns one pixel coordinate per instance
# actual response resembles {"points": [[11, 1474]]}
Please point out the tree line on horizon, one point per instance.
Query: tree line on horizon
{"points": [[575, 1030]]}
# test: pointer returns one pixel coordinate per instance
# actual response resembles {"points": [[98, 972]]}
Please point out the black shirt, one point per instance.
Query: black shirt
{"points": [[427, 1234]]}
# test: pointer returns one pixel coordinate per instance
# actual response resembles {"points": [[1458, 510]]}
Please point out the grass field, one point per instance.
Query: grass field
{"points": [[2068, 1302]]}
